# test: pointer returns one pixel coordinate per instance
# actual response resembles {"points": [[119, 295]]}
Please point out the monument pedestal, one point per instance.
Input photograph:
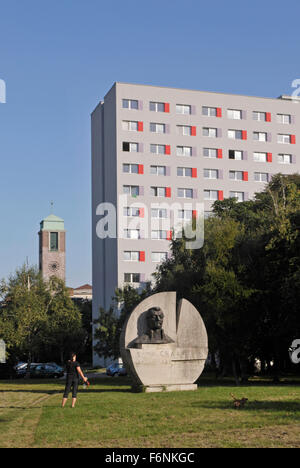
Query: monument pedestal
{"points": [[165, 388]]}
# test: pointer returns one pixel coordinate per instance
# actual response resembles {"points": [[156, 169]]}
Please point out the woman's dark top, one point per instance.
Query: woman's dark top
{"points": [[72, 373]]}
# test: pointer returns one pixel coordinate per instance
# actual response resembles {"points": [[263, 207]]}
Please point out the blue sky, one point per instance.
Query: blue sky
{"points": [[59, 59]]}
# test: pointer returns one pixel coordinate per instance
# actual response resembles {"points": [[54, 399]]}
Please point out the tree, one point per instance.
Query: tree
{"points": [[110, 323], [36, 314]]}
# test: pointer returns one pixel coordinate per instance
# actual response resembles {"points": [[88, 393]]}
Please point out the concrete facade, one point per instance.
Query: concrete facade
{"points": [[126, 124]]}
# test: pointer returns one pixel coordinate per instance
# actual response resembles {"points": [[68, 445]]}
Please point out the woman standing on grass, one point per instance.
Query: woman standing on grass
{"points": [[73, 373]]}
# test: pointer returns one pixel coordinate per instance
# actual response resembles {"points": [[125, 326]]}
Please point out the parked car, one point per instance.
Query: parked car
{"points": [[116, 369], [41, 371]]}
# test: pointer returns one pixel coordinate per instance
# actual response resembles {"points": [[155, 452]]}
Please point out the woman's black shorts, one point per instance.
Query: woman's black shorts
{"points": [[71, 384]]}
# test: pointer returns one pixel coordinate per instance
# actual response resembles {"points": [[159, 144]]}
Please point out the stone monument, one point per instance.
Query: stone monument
{"points": [[164, 347], [2, 352]]}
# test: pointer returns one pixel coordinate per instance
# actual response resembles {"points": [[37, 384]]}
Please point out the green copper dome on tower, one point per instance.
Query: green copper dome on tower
{"points": [[52, 223]]}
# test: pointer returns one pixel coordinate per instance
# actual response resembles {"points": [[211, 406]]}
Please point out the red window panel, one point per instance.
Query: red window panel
{"points": [[245, 175], [220, 153], [167, 107], [194, 172], [293, 139], [193, 131], [167, 149], [269, 157], [220, 195], [244, 134], [195, 214], [219, 112], [141, 169], [142, 212], [168, 192], [140, 126], [169, 235], [268, 116], [142, 256]]}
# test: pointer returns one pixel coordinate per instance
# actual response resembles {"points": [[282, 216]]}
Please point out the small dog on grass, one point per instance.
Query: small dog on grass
{"points": [[239, 403]]}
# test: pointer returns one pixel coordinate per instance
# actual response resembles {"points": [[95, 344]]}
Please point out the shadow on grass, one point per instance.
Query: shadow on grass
{"points": [[263, 405], [112, 384]]}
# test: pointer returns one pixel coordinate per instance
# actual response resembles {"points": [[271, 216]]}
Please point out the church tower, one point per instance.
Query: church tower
{"points": [[52, 248]]}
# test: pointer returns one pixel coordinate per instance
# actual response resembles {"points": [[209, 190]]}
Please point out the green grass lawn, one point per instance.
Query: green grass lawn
{"points": [[109, 415]]}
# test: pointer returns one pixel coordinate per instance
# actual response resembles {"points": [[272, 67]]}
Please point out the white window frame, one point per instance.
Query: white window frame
{"points": [[283, 138], [284, 119], [209, 111], [261, 136], [183, 109], [130, 104], [212, 153], [284, 158], [211, 132], [211, 194], [211, 173], [129, 125], [234, 114], [156, 106], [184, 151], [259, 157]]}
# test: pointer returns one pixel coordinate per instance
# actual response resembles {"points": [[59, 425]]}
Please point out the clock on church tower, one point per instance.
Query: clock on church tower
{"points": [[52, 249]]}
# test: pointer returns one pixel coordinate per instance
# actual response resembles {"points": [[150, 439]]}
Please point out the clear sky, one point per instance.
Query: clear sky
{"points": [[60, 57]]}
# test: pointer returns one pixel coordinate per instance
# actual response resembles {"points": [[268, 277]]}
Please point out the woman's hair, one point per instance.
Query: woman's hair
{"points": [[72, 354]]}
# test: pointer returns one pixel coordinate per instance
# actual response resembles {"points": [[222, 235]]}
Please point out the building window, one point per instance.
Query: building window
{"points": [[159, 213], [281, 138], [235, 154], [159, 235], [132, 277], [210, 152], [185, 193], [158, 191], [130, 126], [235, 134], [234, 114], [211, 194], [131, 256], [209, 132], [158, 170], [284, 118], [157, 106], [209, 111], [129, 211], [131, 234], [131, 168], [184, 171], [259, 116], [261, 176], [210, 173], [131, 147], [183, 109], [260, 136], [260, 157], [284, 158], [184, 130], [132, 190], [130, 104], [238, 195], [184, 151], [157, 128], [158, 149], [186, 215], [53, 241], [236, 175], [159, 257]]}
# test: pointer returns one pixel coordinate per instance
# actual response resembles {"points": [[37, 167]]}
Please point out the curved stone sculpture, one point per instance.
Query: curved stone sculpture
{"points": [[164, 347]]}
